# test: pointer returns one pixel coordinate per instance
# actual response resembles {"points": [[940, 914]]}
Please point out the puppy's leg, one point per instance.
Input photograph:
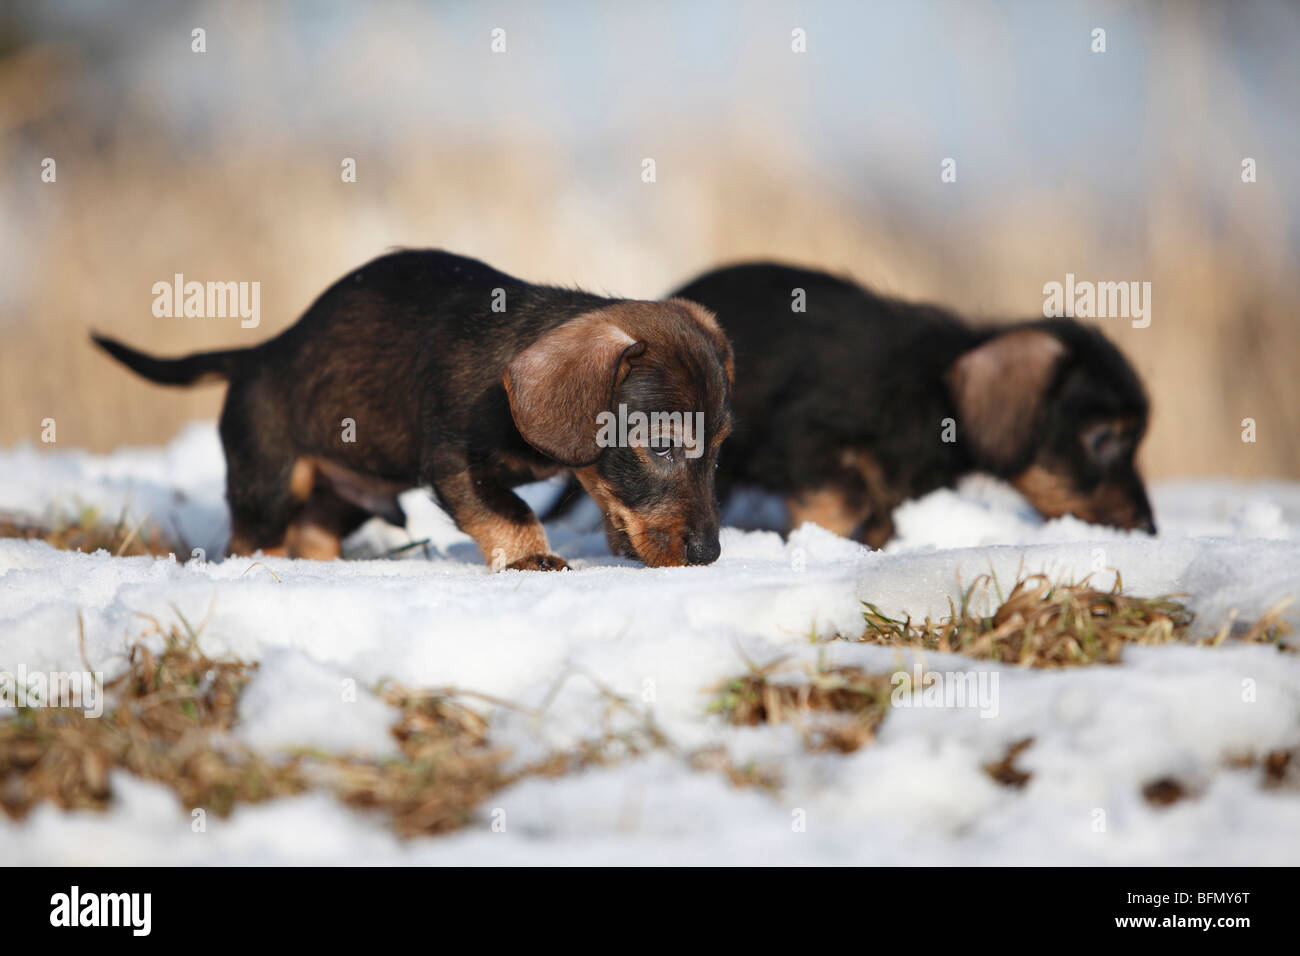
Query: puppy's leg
{"points": [[265, 484], [831, 506], [262, 501], [340, 502], [844, 511], [880, 496], [855, 501], [877, 530], [505, 529], [318, 529]]}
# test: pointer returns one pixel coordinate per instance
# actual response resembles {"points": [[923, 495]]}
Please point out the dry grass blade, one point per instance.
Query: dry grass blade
{"points": [[1005, 771], [1271, 628]]}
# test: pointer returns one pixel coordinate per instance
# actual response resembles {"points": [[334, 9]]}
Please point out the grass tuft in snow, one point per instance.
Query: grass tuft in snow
{"points": [[837, 708], [1040, 624], [89, 533], [165, 719], [447, 766], [1279, 770], [168, 717], [1282, 768]]}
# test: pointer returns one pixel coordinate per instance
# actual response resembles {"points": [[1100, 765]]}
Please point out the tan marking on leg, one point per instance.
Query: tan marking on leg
{"points": [[319, 522], [877, 531], [314, 531], [828, 507], [503, 542], [302, 479], [302, 482], [306, 539], [882, 499]]}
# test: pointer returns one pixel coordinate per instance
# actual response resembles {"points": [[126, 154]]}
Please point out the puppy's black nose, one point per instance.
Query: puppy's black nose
{"points": [[1149, 526], [702, 548]]}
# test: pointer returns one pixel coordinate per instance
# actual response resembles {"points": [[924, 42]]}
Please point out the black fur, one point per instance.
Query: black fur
{"points": [[861, 372]]}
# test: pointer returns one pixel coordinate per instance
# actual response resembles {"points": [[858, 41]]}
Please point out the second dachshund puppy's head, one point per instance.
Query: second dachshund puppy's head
{"points": [[1053, 407], [636, 398]]}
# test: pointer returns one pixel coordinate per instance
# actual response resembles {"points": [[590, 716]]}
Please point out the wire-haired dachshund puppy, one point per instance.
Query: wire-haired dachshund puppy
{"points": [[860, 402], [427, 368]]}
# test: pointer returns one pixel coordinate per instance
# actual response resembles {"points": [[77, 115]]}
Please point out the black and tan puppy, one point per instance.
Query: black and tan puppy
{"points": [[427, 368], [861, 402]]}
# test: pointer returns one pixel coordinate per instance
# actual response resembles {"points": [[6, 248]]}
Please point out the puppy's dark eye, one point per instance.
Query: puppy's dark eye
{"points": [[667, 453], [1106, 443]]}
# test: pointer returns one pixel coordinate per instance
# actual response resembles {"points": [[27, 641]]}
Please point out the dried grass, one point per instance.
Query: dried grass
{"points": [[1270, 628], [447, 767], [168, 718], [169, 714], [89, 533], [1040, 624], [1278, 770], [1005, 771], [1165, 791], [836, 708]]}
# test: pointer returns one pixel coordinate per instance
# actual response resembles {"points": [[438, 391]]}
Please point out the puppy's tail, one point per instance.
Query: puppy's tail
{"points": [[186, 370]]}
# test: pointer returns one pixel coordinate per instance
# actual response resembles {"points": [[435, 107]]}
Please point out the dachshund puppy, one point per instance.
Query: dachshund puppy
{"points": [[861, 402], [424, 368]]}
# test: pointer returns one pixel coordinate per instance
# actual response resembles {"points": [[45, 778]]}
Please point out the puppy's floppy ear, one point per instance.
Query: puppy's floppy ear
{"points": [[559, 384], [999, 388]]}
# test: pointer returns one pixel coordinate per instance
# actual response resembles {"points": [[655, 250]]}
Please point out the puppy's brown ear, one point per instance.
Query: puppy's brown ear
{"points": [[559, 384], [999, 388]]}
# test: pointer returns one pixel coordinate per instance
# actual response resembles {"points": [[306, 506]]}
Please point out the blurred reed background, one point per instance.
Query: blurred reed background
{"points": [[225, 166]]}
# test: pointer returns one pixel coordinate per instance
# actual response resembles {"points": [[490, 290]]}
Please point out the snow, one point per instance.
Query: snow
{"points": [[557, 644]]}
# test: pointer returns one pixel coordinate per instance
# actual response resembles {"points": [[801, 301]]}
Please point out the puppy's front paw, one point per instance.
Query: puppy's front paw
{"points": [[539, 562]]}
